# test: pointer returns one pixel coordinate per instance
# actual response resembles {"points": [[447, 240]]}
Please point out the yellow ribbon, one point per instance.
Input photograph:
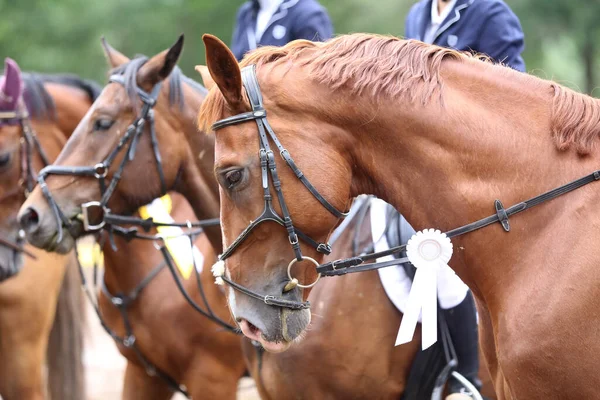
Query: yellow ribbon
{"points": [[179, 245]]}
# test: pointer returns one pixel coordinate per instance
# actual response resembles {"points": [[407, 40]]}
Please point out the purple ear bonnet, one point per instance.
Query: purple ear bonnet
{"points": [[11, 86]]}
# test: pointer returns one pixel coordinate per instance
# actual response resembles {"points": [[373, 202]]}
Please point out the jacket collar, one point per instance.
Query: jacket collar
{"points": [[425, 16], [453, 17]]}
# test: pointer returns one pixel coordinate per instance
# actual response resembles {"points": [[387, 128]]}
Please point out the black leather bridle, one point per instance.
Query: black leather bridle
{"points": [[269, 174], [28, 144], [94, 210], [352, 264]]}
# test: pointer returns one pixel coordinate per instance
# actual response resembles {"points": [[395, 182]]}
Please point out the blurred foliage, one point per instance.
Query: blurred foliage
{"points": [[63, 35]]}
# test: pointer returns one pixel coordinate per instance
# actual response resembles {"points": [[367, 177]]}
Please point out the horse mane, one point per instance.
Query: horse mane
{"points": [[130, 69], [39, 102], [91, 88], [575, 120], [404, 69]]}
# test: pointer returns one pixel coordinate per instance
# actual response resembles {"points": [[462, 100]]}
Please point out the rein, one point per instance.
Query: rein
{"points": [[347, 265], [350, 265], [28, 143]]}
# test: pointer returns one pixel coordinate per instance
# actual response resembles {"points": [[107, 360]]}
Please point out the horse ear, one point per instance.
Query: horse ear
{"points": [[114, 57], [160, 66], [11, 86], [224, 69], [208, 81]]}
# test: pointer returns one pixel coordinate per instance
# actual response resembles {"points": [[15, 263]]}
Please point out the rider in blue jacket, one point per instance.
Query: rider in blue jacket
{"points": [[484, 26], [277, 22]]}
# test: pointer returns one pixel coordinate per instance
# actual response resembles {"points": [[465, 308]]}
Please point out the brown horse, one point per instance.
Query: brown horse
{"points": [[185, 346], [439, 135], [41, 317]]}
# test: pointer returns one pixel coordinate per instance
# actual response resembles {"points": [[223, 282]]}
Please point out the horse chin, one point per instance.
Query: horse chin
{"points": [[47, 237], [11, 263], [293, 324], [51, 244]]}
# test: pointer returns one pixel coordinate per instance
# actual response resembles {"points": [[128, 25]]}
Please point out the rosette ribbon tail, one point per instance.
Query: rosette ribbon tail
{"points": [[421, 300]]}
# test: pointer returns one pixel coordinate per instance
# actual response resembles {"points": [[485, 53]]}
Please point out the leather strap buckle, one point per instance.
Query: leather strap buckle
{"points": [[502, 216]]}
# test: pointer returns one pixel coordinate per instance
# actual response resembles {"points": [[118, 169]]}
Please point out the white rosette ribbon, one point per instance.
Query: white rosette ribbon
{"points": [[428, 250]]}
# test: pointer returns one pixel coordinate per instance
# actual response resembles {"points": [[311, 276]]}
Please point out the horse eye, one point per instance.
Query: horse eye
{"points": [[103, 124], [4, 160], [233, 177]]}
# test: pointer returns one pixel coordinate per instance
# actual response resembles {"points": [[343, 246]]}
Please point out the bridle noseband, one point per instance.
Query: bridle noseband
{"points": [[100, 170], [269, 174]]}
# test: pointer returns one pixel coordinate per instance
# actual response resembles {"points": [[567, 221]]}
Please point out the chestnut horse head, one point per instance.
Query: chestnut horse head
{"points": [[284, 232], [37, 113], [132, 137]]}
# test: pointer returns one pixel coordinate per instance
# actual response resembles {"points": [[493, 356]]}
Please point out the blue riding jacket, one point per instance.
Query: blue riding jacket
{"points": [[484, 26], [294, 19]]}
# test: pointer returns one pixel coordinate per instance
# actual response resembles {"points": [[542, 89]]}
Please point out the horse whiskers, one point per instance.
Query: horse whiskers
{"points": [[316, 315]]}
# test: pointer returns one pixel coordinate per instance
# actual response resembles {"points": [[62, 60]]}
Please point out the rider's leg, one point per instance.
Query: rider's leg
{"points": [[462, 324]]}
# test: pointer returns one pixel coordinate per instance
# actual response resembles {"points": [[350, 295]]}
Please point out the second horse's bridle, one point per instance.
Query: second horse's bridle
{"points": [[100, 170], [28, 143], [269, 174]]}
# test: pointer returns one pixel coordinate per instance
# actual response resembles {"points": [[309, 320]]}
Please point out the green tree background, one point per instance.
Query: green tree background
{"points": [[64, 35]]}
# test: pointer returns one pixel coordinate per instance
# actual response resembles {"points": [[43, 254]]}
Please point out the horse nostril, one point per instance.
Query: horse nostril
{"points": [[29, 220]]}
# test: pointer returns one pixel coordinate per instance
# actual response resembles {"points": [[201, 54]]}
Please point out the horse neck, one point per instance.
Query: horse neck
{"points": [[198, 183], [71, 105], [442, 166]]}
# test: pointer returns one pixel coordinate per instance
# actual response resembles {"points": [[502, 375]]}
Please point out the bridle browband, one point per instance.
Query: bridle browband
{"points": [[28, 143], [352, 264], [269, 174], [100, 170]]}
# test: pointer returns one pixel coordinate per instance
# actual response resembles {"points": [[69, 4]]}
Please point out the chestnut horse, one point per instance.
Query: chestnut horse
{"points": [[439, 135], [187, 348], [41, 314]]}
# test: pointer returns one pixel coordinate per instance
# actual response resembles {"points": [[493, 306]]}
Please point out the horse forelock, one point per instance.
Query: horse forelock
{"points": [[130, 69]]}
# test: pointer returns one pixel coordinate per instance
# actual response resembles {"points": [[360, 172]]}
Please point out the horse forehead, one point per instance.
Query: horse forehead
{"points": [[238, 138], [9, 135]]}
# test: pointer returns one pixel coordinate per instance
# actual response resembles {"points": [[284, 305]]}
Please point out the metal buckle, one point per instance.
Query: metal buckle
{"points": [[289, 272], [100, 171], [86, 217], [324, 248], [333, 266], [268, 299], [129, 341]]}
